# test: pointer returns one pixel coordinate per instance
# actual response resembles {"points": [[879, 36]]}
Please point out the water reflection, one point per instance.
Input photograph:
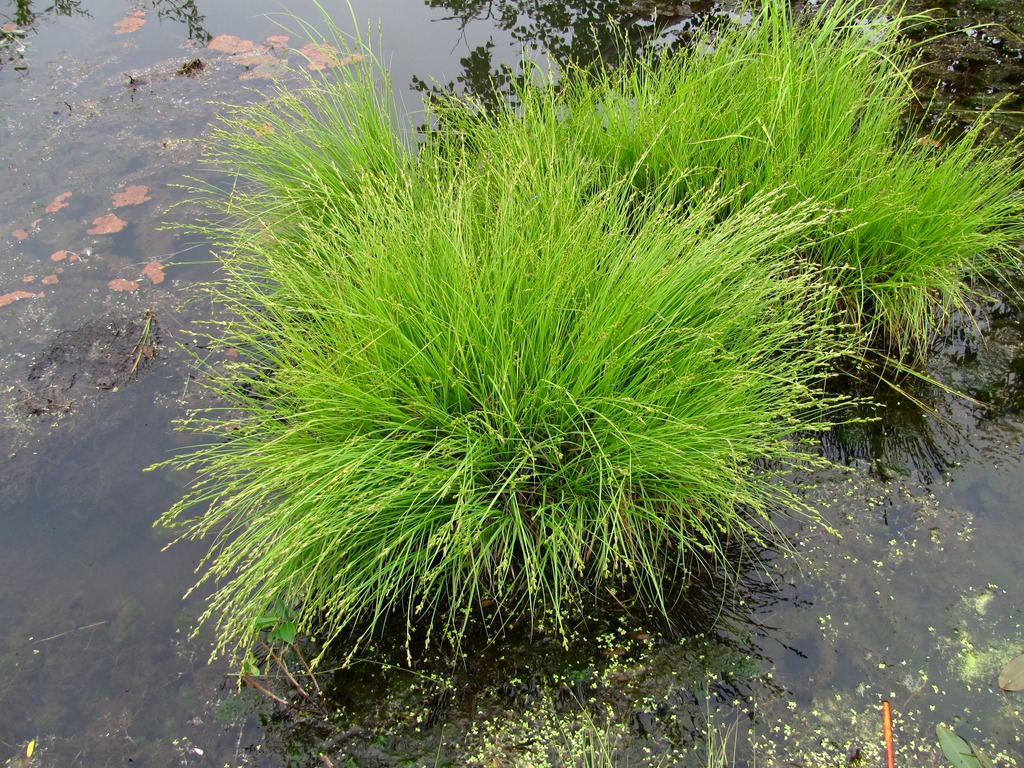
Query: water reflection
{"points": [[579, 33], [20, 22], [956, 409], [976, 55], [184, 12], [94, 647], [907, 433]]}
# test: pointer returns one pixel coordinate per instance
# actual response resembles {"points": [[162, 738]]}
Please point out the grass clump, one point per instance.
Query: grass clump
{"points": [[559, 353], [480, 374], [823, 105]]}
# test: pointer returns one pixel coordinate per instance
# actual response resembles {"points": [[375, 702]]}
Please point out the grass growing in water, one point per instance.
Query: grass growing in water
{"points": [[480, 373], [562, 348], [820, 103]]}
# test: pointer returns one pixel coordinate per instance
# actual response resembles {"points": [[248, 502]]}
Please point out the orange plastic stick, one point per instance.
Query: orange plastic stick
{"points": [[890, 759]]}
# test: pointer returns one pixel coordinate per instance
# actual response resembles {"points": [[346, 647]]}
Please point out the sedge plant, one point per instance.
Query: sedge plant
{"points": [[478, 373], [824, 105]]}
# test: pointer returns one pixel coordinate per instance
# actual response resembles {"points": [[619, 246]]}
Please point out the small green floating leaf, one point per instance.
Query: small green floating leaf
{"points": [[1012, 676], [956, 750]]}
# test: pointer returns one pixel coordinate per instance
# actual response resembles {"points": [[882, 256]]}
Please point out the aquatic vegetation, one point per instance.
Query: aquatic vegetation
{"points": [[478, 377], [559, 354], [279, 656], [961, 753], [822, 104]]}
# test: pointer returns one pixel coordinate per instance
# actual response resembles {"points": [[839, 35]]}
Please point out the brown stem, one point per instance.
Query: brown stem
{"points": [[249, 680], [291, 679], [309, 671]]}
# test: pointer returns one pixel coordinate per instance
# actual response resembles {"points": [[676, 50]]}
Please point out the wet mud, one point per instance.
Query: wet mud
{"points": [[101, 355]]}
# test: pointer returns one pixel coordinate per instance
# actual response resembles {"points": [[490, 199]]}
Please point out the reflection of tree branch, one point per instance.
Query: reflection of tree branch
{"points": [[185, 12], [580, 33], [565, 31], [24, 19], [18, 26]]}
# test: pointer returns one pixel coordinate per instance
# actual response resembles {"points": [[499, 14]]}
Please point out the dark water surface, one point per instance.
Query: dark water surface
{"points": [[920, 601]]}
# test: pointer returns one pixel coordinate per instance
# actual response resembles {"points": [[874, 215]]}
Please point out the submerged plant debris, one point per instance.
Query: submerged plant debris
{"points": [[132, 23], [107, 224], [133, 194], [103, 354]]}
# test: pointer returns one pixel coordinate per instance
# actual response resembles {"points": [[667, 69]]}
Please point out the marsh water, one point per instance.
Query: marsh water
{"points": [[916, 596]]}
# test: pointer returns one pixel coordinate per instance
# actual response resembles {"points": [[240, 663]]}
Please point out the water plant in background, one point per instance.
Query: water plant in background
{"points": [[479, 377], [822, 103]]}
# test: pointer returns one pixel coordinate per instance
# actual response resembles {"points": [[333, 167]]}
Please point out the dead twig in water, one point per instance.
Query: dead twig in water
{"points": [[72, 631]]}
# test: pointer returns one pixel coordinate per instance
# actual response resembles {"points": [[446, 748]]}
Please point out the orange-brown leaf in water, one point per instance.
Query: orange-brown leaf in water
{"points": [[28, 278], [134, 194], [129, 24], [20, 234], [107, 224], [155, 272], [230, 44], [13, 296], [276, 41], [321, 55], [50, 280], [9, 27], [120, 284], [59, 255], [58, 202]]}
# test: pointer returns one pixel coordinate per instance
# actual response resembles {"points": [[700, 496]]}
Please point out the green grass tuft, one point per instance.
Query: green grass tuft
{"points": [[821, 104], [480, 373], [554, 350]]}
